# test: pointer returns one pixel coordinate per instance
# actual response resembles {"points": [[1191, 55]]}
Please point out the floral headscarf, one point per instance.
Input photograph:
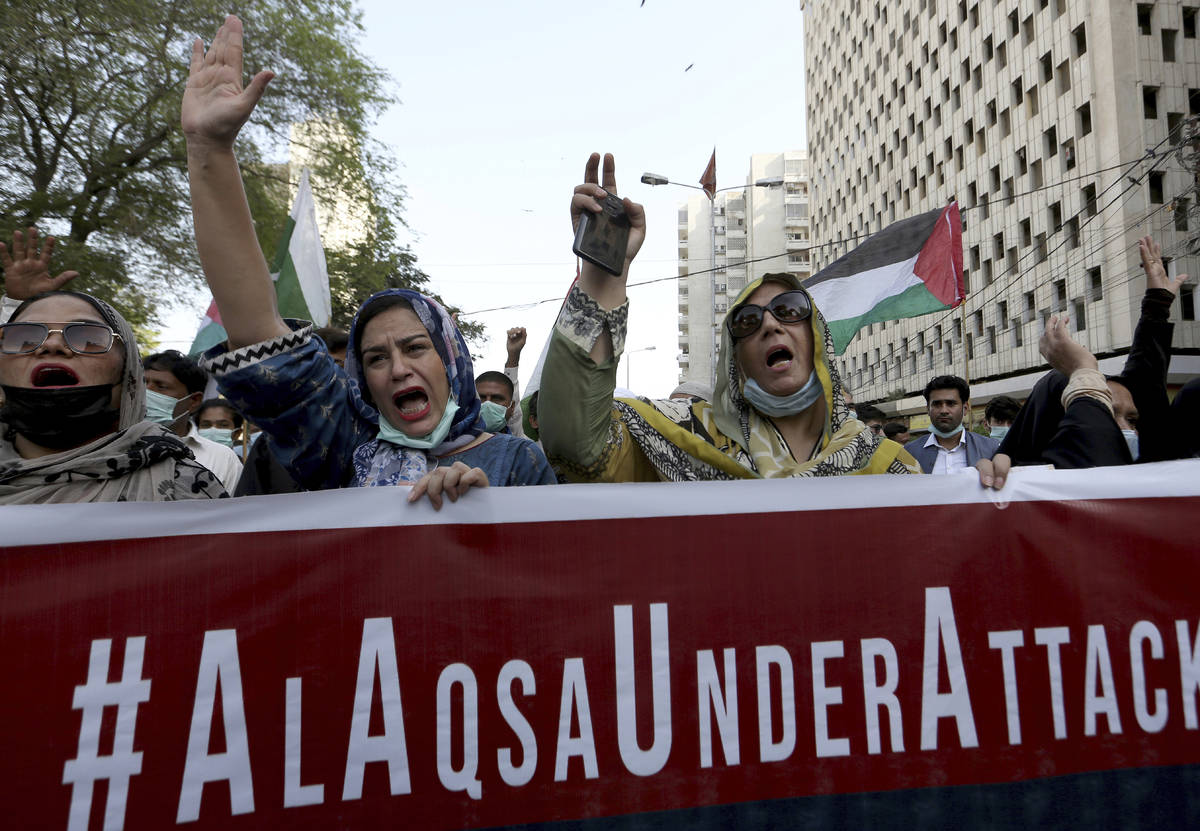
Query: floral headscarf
{"points": [[377, 462], [450, 346]]}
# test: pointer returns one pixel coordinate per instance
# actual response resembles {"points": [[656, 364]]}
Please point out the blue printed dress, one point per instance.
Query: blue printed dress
{"points": [[325, 432]]}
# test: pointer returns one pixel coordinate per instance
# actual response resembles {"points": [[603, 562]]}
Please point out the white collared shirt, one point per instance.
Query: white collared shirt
{"points": [[952, 460], [218, 458]]}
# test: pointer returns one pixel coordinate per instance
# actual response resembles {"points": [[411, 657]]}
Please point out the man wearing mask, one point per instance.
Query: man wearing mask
{"points": [[174, 391], [999, 415], [950, 447], [499, 391]]}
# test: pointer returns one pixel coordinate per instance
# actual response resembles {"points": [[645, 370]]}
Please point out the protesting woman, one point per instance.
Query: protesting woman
{"points": [[777, 408], [72, 423], [404, 411]]}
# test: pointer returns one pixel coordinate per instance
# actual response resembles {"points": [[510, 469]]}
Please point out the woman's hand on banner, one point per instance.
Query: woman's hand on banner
{"points": [[453, 482]]}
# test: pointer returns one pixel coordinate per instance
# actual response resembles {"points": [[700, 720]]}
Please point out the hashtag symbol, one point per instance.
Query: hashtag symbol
{"points": [[88, 766]]}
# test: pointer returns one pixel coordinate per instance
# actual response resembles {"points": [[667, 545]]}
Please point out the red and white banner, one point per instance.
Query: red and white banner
{"points": [[859, 651]]}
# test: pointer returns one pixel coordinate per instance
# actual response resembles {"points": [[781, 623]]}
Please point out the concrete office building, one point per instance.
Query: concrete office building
{"points": [[760, 228], [1036, 115]]}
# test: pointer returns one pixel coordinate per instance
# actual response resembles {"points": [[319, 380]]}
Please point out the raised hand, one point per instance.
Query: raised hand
{"points": [[26, 270], [587, 197], [1156, 272], [215, 105], [515, 343], [1060, 351]]}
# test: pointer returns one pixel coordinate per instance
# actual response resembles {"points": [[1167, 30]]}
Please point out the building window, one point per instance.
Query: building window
{"points": [[1187, 301], [1156, 188], [1168, 45], [1089, 199], [1095, 284], [1189, 21], [1144, 11], [1080, 313], [1079, 36], [1182, 206], [1083, 119], [1150, 102]]}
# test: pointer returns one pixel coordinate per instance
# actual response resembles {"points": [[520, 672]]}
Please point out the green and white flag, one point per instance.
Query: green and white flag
{"points": [[301, 279], [910, 268]]}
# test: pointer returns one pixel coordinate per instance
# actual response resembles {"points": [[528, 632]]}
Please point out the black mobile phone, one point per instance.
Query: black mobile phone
{"points": [[602, 238]]}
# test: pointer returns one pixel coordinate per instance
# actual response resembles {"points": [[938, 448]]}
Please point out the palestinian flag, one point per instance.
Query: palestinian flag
{"points": [[910, 268], [210, 333], [301, 280]]}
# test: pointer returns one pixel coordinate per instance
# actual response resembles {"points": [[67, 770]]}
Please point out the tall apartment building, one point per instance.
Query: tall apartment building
{"points": [[343, 214], [1055, 124], [759, 228]]}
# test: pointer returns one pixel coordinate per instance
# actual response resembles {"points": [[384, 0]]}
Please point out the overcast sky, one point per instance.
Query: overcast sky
{"points": [[503, 102]]}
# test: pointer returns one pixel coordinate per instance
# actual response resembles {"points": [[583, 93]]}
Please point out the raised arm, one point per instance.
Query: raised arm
{"points": [[215, 106], [608, 291]]}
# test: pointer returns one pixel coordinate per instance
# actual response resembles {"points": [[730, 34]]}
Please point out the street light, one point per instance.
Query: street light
{"points": [[629, 361], [655, 179]]}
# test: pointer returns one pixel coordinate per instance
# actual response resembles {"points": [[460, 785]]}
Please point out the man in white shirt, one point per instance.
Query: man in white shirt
{"points": [[174, 391], [950, 447]]}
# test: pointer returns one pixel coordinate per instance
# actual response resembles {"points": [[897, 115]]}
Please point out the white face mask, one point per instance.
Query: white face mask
{"points": [[1131, 439]]}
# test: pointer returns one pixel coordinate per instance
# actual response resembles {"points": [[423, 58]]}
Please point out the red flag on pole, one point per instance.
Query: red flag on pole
{"points": [[709, 178]]}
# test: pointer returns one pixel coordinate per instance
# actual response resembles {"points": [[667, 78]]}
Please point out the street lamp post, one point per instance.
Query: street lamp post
{"points": [[629, 362], [655, 179]]}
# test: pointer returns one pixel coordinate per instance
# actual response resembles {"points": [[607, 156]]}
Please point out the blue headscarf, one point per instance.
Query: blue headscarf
{"points": [[451, 348]]}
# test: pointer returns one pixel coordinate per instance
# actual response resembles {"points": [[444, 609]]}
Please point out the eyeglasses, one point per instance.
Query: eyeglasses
{"points": [[789, 308], [81, 338]]}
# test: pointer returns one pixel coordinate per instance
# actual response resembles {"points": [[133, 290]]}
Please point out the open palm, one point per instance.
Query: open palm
{"points": [[215, 105]]}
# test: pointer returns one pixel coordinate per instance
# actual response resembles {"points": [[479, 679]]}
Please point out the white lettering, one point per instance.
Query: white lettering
{"points": [[824, 697], [465, 778], [637, 761], [941, 629], [721, 704], [378, 652], [765, 658], [514, 775], [879, 695], [1053, 637], [218, 666], [296, 795], [1007, 642], [1151, 722], [574, 702], [1189, 671], [1098, 663]]}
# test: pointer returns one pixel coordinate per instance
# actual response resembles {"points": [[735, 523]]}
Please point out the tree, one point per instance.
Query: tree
{"points": [[89, 119]]}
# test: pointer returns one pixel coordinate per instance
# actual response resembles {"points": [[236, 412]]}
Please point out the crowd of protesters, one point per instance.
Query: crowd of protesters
{"points": [[395, 400]]}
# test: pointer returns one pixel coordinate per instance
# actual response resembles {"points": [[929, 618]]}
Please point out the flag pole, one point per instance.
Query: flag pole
{"points": [[962, 309]]}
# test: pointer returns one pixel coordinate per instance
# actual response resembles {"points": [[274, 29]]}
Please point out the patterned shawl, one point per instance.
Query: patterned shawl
{"points": [[383, 463], [139, 462]]}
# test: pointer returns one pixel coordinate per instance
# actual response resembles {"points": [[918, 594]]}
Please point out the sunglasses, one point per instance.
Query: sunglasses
{"points": [[790, 307], [81, 338]]}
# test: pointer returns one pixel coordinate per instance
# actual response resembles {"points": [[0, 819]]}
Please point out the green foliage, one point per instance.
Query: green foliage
{"points": [[89, 120]]}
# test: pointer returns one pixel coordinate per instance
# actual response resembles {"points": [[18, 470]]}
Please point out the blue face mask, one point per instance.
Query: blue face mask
{"points": [[495, 416], [220, 435], [1131, 439], [389, 433], [998, 432], [778, 406], [948, 434], [161, 408]]}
